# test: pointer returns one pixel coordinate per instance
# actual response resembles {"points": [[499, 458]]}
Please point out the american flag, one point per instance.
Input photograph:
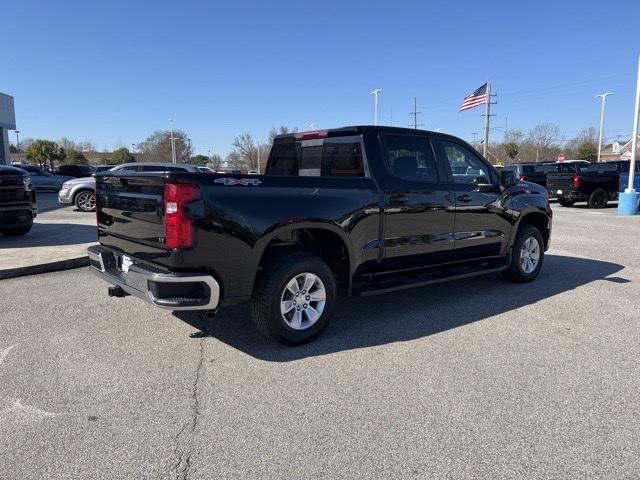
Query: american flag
{"points": [[474, 99]]}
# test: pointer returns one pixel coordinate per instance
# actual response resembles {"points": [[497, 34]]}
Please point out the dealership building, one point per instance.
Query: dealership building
{"points": [[7, 122]]}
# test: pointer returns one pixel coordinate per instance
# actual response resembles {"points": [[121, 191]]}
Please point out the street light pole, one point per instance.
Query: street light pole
{"points": [[604, 97], [173, 144], [17, 145], [375, 94]]}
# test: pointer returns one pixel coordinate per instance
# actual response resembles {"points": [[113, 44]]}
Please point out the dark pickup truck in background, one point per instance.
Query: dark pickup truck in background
{"points": [[537, 172], [17, 202], [352, 211], [596, 184]]}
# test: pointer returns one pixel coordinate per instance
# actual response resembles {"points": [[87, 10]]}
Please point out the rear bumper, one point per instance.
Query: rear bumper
{"points": [[163, 289]]}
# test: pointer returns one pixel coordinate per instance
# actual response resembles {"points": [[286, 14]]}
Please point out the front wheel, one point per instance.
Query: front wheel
{"points": [[293, 298], [527, 256], [86, 201], [17, 231]]}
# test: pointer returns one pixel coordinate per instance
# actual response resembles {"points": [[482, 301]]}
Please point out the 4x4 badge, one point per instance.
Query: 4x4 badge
{"points": [[239, 181]]}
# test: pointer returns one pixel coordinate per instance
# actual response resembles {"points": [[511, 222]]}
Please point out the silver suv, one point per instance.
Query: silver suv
{"points": [[81, 191]]}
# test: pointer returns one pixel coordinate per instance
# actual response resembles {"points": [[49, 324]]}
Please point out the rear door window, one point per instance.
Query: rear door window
{"points": [[411, 158]]}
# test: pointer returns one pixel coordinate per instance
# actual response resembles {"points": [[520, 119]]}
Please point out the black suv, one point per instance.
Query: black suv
{"points": [[77, 171], [17, 202]]}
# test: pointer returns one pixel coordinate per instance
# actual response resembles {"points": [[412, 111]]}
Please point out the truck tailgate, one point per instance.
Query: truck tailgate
{"points": [[129, 207], [558, 183]]}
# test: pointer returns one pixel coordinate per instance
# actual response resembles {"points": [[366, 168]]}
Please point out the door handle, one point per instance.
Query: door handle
{"points": [[465, 198], [399, 199]]}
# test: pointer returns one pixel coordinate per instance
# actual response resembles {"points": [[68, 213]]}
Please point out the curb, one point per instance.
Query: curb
{"points": [[45, 267]]}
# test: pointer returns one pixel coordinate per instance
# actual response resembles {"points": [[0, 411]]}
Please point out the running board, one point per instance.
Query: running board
{"points": [[370, 290]]}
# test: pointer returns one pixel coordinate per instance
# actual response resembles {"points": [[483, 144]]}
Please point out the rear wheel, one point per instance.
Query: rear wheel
{"points": [[86, 201], [599, 198], [565, 203], [527, 256], [293, 299]]}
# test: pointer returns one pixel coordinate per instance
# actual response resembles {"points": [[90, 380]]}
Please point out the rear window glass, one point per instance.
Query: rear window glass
{"points": [[333, 157], [528, 169]]}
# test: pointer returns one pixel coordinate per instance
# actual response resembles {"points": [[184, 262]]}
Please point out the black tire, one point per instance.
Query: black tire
{"points": [[566, 203], [269, 290], [17, 231], [85, 201], [599, 198], [516, 272]]}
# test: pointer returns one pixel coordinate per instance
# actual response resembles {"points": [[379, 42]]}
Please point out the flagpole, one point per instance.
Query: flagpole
{"points": [[486, 121]]}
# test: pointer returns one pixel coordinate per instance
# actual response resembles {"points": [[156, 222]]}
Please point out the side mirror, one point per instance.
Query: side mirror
{"points": [[508, 178]]}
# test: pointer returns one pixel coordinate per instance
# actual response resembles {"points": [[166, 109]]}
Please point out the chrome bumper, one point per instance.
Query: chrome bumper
{"points": [[173, 291]]}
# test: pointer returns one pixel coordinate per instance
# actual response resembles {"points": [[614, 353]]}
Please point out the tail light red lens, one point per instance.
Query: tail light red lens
{"points": [[178, 226], [523, 178], [577, 181]]}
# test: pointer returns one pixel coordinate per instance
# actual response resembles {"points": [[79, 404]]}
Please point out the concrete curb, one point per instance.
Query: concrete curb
{"points": [[45, 267]]}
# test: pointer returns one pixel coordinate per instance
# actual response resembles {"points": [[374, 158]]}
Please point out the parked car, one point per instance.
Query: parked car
{"points": [[596, 185], [353, 211], [103, 168], [81, 191], [42, 180], [76, 171], [18, 205]]}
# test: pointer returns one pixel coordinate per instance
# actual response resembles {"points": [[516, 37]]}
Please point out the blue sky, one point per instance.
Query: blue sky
{"points": [[115, 71]]}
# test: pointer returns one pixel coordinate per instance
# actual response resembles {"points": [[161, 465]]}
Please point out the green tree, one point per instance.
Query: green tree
{"points": [[45, 151], [122, 155], [511, 149], [199, 159], [587, 151], [76, 157]]}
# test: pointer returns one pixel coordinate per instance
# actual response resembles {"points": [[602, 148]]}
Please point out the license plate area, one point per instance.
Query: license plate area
{"points": [[124, 263]]}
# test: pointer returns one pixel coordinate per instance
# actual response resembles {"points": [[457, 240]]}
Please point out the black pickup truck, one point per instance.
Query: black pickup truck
{"points": [[596, 184], [17, 202], [352, 211]]}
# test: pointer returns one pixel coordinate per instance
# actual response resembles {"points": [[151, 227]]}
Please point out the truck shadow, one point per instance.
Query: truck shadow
{"points": [[410, 314], [51, 235]]}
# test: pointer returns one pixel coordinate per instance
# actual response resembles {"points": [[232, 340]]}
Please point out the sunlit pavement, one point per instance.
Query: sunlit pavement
{"points": [[480, 378]]}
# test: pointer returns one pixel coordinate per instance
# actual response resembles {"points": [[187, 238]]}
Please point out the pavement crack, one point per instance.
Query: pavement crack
{"points": [[183, 440]]}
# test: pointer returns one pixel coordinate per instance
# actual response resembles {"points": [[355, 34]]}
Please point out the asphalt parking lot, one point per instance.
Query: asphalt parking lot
{"points": [[479, 378]]}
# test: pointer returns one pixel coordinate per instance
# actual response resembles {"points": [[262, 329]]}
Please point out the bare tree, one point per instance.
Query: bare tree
{"points": [[280, 131], [245, 153], [215, 162], [157, 147]]}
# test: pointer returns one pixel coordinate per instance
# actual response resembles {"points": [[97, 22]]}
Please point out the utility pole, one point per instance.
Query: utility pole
{"points": [[173, 143], [375, 94], [415, 114], [474, 138], [603, 96], [505, 130], [488, 104]]}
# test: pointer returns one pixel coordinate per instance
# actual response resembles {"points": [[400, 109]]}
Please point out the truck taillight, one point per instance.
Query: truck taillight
{"points": [[311, 134], [577, 181], [178, 226], [523, 178]]}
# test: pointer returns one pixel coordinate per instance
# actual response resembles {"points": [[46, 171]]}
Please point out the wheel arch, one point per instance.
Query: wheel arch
{"points": [[538, 219], [326, 241]]}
